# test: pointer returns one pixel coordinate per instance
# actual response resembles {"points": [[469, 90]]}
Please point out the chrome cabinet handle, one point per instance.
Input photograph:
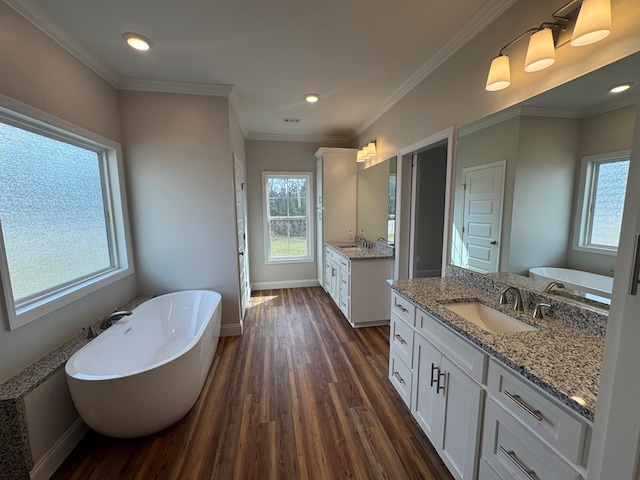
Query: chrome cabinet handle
{"points": [[511, 455], [396, 304], [516, 398], [400, 339], [397, 375], [635, 274]]}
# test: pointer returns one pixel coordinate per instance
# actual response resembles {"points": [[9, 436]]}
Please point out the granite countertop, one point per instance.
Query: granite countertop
{"points": [[562, 360], [353, 251]]}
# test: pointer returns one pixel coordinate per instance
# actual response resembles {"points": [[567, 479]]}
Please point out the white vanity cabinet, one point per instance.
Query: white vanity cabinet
{"points": [[527, 434], [485, 421], [447, 403], [441, 391], [358, 287]]}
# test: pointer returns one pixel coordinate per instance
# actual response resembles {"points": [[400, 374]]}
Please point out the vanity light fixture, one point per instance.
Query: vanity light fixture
{"points": [[367, 151], [312, 97], [137, 41], [593, 23], [621, 88]]}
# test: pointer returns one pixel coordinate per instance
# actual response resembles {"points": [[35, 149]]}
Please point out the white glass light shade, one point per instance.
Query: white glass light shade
{"points": [[360, 157], [593, 23], [541, 52], [499, 74], [370, 150]]}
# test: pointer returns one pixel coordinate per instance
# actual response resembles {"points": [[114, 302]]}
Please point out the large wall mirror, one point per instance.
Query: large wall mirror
{"points": [[541, 184], [377, 201]]}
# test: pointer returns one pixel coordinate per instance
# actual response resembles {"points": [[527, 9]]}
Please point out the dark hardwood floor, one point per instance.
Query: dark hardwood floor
{"points": [[301, 395]]}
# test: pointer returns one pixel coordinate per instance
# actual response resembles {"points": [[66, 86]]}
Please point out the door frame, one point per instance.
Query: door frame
{"points": [[404, 198], [242, 301]]}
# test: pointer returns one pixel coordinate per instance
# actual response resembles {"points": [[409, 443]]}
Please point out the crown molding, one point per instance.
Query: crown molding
{"points": [[332, 140], [162, 86], [485, 16], [43, 22], [234, 100]]}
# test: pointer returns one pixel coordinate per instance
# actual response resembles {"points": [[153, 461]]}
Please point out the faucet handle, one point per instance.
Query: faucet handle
{"points": [[537, 310]]}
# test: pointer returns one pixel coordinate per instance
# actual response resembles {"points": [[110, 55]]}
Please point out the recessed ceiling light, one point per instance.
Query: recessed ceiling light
{"points": [[621, 88], [312, 97], [137, 41]]}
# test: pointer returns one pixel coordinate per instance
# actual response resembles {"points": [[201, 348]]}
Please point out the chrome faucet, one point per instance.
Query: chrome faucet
{"points": [[364, 242], [517, 299], [108, 319], [552, 285]]}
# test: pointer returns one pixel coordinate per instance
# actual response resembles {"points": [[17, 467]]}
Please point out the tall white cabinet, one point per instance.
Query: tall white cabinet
{"points": [[336, 196]]}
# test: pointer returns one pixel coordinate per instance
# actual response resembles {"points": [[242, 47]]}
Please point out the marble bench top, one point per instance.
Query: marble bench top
{"points": [[562, 360], [353, 252]]}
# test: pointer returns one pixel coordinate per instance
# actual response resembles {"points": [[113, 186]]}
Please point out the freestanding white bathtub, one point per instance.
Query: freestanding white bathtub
{"points": [[146, 371], [599, 285]]}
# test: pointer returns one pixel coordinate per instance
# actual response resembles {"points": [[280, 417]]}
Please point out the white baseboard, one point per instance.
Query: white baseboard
{"points": [[50, 462], [231, 330], [285, 284]]}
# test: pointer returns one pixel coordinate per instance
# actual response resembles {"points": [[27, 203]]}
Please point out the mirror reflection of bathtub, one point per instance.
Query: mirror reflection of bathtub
{"points": [[592, 285]]}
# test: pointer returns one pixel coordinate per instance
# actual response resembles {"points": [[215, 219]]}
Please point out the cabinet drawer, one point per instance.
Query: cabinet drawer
{"points": [[468, 358], [514, 452], [345, 282], [401, 377], [344, 305], [401, 339], [345, 264], [556, 426], [403, 308], [328, 253]]}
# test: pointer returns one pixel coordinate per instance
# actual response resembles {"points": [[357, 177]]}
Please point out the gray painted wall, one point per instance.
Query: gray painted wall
{"points": [[180, 165]]}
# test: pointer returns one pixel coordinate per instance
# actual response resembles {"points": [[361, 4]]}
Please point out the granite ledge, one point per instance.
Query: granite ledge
{"points": [[558, 358], [33, 375]]}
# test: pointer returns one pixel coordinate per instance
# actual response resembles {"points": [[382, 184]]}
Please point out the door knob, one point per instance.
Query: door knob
{"points": [[493, 242]]}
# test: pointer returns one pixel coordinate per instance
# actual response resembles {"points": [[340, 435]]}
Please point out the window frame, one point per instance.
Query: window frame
{"points": [[583, 215], [309, 258], [19, 115]]}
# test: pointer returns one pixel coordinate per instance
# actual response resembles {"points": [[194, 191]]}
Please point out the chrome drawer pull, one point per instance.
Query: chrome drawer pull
{"points": [[531, 475], [537, 414], [397, 375], [400, 339], [396, 304]]}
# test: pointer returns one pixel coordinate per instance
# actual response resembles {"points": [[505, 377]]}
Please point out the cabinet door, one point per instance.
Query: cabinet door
{"points": [[427, 403], [462, 416]]}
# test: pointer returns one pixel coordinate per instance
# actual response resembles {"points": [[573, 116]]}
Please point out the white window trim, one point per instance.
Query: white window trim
{"points": [[29, 118], [310, 230], [582, 203]]}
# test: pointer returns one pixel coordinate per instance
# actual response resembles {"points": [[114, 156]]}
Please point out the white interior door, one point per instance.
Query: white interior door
{"points": [[482, 216], [241, 222]]}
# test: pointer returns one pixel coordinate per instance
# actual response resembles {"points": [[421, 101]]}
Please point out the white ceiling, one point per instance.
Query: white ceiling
{"points": [[360, 56]]}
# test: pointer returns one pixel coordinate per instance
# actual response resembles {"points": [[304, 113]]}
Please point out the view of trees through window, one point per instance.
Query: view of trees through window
{"points": [[52, 212], [288, 215]]}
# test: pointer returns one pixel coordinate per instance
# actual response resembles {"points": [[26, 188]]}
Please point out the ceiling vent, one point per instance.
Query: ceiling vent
{"points": [[291, 120]]}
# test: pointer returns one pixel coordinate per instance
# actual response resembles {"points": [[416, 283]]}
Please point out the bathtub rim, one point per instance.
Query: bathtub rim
{"points": [[537, 275], [72, 372]]}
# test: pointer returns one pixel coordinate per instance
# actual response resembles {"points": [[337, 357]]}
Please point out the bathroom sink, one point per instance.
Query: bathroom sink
{"points": [[488, 318], [351, 249]]}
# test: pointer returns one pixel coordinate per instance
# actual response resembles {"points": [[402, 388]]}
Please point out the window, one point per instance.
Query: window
{"points": [[61, 215], [603, 182], [287, 216]]}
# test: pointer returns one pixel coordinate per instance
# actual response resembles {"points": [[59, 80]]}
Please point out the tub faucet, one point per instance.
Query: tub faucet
{"points": [[517, 299], [107, 320], [552, 285]]}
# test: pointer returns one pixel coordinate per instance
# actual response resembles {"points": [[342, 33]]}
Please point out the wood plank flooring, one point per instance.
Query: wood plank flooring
{"points": [[301, 395]]}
